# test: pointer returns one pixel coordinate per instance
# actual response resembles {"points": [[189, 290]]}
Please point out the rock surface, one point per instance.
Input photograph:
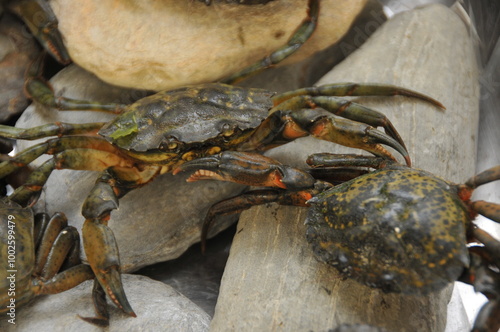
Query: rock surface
{"points": [[155, 223], [163, 44], [272, 280], [163, 309]]}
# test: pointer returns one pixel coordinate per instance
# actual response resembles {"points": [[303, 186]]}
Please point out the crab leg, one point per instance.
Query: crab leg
{"points": [[345, 160], [56, 224], [487, 176], [344, 108], [284, 125], [355, 89], [300, 36], [69, 152], [42, 23], [487, 209], [50, 129], [99, 241], [100, 307], [39, 90]]}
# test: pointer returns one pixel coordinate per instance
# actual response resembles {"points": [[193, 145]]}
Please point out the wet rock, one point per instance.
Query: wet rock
{"points": [[163, 44], [17, 50], [158, 307], [272, 280], [155, 223]]}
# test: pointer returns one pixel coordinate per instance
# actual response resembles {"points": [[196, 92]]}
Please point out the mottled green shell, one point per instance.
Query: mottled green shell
{"points": [[22, 230], [189, 115], [397, 229]]}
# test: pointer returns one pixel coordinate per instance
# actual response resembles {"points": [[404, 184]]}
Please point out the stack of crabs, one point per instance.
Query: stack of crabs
{"points": [[383, 224]]}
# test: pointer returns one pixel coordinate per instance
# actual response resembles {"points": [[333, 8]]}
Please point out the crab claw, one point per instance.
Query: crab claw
{"points": [[42, 23], [246, 168], [102, 254]]}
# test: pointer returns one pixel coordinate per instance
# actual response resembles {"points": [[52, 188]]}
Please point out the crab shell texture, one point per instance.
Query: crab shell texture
{"points": [[192, 118], [398, 229], [20, 222]]}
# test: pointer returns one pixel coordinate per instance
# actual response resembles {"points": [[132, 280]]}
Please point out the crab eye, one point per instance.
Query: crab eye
{"points": [[227, 130], [170, 143]]}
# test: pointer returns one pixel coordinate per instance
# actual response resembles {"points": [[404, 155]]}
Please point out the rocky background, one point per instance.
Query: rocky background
{"points": [[271, 280]]}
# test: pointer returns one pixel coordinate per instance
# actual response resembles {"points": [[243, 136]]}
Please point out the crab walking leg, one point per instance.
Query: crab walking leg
{"points": [[488, 317], [56, 224], [487, 209], [42, 23], [287, 125], [247, 200], [50, 129], [355, 89], [100, 306], [85, 144], [39, 90], [487, 176], [344, 108], [59, 283], [300, 36], [345, 160], [99, 242]]}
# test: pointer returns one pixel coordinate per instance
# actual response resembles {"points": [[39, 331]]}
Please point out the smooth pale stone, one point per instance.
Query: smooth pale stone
{"points": [[159, 45], [272, 280], [158, 307], [155, 223]]}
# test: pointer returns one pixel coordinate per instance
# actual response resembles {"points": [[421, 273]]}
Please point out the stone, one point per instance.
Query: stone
{"points": [[155, 223], [164, 44], [272, 280], [158, 307]]}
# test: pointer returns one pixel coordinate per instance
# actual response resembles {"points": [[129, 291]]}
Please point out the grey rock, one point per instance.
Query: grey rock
{"points": [[158, 307], [155, 223], [272, 280]]}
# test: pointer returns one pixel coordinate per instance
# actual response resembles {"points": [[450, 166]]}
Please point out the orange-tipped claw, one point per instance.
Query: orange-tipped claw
{"points": [[247, 168]]}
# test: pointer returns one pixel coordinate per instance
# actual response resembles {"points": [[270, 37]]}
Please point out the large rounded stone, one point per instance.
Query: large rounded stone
{"points": [[154, 223], [158, 307], [272, 280], [158, 45]]}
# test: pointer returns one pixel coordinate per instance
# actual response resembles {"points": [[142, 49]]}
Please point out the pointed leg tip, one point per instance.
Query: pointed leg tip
{"points": [[408, 160], [98, 321]]}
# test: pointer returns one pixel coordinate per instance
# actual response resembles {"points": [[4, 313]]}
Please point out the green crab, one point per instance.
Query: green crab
{"points": [[158, 133], [399, 229], [40, 255]]}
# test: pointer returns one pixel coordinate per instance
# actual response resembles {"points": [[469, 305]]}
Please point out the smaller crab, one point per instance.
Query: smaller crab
{"points": [[40, 255], [398, 229]]}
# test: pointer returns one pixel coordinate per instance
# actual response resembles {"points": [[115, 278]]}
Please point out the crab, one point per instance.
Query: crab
{"points": [[158, 133], [398, 229], [42, 23], [40, 255]]}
